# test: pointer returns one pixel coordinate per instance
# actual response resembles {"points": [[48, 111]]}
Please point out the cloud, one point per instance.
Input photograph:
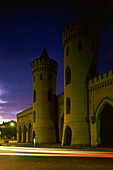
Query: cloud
{"points": [[1, 101], [4, 120]]}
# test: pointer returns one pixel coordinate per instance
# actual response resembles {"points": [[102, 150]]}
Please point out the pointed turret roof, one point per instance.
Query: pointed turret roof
{"points": [[44, 54]]}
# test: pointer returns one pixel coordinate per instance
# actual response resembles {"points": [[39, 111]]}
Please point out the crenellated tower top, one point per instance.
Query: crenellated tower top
{"points": [[44, 63], [81, 26]]}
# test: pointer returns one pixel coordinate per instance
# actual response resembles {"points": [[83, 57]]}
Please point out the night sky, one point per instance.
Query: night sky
{"points": [[26, 28]]}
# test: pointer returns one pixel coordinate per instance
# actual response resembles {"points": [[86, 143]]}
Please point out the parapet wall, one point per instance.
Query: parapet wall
{"points": [[25, 113], [44, 64], [101, 81], [81, 26]]}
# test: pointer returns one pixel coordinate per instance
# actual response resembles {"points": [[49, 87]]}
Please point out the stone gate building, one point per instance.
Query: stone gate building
{"points": [[83, 114]]}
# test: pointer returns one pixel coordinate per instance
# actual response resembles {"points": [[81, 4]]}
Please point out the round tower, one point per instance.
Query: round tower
{"points": [[80, 39], [44, 72]]}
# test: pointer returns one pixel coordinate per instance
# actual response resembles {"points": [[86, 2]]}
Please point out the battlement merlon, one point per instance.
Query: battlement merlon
{"points": [[81, 26], [101, 79], [44, 64]]}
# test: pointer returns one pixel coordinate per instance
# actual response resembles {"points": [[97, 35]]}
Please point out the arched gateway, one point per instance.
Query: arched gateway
{"points": [[20, 134], [104, 123], [101, 110], [30, 133], [68, 136]]}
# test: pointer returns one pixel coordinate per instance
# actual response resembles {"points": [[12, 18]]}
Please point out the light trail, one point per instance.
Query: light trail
{"points": [[53, 152]]}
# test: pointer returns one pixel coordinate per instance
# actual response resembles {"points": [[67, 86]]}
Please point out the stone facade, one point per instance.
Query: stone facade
{"points": [[76, 116], [100, 95], [25, 126]]}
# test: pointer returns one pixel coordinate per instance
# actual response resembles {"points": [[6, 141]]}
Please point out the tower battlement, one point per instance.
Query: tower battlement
{"points": [[101, 81], [44, 63], [81, 26]]}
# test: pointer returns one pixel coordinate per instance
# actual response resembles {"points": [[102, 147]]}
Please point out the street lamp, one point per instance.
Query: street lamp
{"points": [[12, 124]]}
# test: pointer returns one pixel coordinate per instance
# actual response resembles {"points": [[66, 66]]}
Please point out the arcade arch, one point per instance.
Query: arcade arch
{"points": [[24, 133], [29, 133]]}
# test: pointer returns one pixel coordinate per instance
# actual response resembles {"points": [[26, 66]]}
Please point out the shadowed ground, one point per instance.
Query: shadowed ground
{"points": [[54, 163]]}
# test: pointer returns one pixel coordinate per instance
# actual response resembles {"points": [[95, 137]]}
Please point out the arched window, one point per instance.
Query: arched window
{"points": [[34, 115], [34, 96], [68, 75], [79, 46], [40, 76], [50, 94], [68, 105], [67, 50]]}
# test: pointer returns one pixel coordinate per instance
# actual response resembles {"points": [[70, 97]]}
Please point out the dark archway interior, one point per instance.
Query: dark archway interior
{"points": [[20, 131], [24, 134], [30, 133], [62, 124], [67, 137], [34, 136], [106, 126]]}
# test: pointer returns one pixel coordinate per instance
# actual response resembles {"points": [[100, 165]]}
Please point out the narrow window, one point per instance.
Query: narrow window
{"points": [[101, 76], [50, 77], [107, 74], [34, 116], [79, 46], [67, 50], [68, 75], [40, 76], [93, 47], [68, 105], [34, 78], [50, 94], [40, 59], [34, 96]]}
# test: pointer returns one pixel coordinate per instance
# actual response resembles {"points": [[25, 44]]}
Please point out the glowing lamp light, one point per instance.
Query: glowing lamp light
{"points": [[12, 124]]}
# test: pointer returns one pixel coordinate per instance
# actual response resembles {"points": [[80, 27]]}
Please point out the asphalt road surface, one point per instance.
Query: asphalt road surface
{"points": [[20, 158]]}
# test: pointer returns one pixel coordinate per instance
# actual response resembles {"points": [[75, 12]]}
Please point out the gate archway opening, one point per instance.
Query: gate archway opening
{"points": [[105, 126], [62, 124], [68, 135], [20, 132], [29, 133], [24, 134]]}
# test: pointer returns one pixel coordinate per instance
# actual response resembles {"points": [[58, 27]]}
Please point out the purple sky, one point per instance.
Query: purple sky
{"points": [[27, 28]]}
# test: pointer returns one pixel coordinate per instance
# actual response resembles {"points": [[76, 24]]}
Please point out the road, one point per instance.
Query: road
{"points": [[24, 158], [30, 151]]}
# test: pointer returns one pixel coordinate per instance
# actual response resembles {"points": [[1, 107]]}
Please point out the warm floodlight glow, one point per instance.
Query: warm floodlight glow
{"points": [[12, 124]]}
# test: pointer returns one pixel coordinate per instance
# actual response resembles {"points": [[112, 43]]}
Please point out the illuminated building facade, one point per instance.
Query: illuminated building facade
{"points": [[77, 116], [8, 130]]}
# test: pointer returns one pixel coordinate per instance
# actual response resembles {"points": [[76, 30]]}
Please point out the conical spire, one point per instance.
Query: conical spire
{"points": [[44, 54]]}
